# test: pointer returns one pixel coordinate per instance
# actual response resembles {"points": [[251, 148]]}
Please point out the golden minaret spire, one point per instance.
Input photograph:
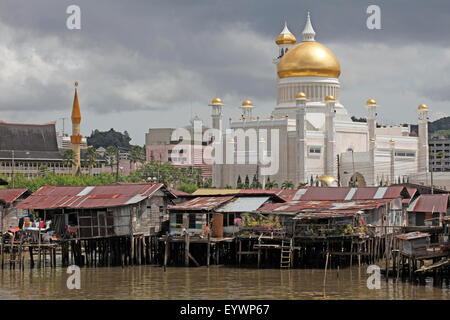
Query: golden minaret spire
{"points": [[75, 138]]}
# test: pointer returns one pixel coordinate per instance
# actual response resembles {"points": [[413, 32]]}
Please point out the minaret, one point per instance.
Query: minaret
{"points": [[372, 125], [308, 32], [330, 147], [217, 115], [301, 137], [247, 107], [392, 162], [284, 41], [75, 138], [422, 150]]}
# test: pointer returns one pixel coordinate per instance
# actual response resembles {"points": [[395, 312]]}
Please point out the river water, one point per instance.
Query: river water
{"points": [[151, 282]]}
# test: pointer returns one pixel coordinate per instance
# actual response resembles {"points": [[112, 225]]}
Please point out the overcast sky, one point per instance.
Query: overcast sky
{"points": [[143, 64]]}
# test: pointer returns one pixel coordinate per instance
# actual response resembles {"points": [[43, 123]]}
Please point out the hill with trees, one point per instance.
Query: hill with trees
{"points": [[109, 138], [438, 127]]}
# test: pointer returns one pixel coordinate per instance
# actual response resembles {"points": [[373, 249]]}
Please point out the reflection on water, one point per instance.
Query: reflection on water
{"points": [[150, 282]]}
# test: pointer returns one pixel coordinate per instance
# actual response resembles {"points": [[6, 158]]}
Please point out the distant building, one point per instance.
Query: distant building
{"points": [[159, 146], [24, 148], [439, 154], [64, 141]]}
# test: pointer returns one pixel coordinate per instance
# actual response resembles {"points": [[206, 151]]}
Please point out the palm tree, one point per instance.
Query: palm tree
{"points": [[69, 158], [287, 185], [271, 185], [91, 156], [136, 155], [441, 154], [302, 184], [111, 156]]}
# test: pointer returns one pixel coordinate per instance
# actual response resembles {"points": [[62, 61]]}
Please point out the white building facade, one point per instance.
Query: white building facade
{"points": [[317, 141]]}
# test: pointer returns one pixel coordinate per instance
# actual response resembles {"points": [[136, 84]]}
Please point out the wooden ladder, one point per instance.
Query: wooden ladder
{"points": [[286, 254]]}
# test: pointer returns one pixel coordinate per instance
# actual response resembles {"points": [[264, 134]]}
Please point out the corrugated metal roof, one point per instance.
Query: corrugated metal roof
{"points": [[413, 235], [179, 193], [323, 206], [349, 193], [11, 195], [202, 203], [119, 194], [244, 204], [213, 192], [412, 192], [430, 203]]}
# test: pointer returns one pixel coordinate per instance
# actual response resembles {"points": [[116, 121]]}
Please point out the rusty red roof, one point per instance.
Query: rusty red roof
{"points": [[202, 203], [413, 235], [430, 203], [412, 192], [114, 195], [179, 193], [349, 193], [11, 195], [323, 206]]}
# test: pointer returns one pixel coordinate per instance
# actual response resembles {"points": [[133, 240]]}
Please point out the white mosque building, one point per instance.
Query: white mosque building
{"points": [[318, 141]]}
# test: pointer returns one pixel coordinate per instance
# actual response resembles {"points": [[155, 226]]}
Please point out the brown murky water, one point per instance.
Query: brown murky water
{"points": [[150, 282]]}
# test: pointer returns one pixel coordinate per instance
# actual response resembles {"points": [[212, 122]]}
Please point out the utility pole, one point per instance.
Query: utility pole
{"points": [[338, 171], [431, 171], [13, 167], [117, 163]]}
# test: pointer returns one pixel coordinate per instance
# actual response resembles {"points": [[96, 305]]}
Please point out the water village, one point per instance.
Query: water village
{"points": [[403, 228]]}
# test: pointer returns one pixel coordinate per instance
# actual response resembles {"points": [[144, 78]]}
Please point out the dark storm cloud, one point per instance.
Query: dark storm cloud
{"points": [[162, 55]]}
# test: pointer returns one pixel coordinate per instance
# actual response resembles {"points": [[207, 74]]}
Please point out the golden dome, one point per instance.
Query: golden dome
{"points": [[247, 103], [330, 98], [285, 38], [371, 102], [327, 179], [216, 101], [300, 95], [392, 141], [309, 58], [423, 107]]}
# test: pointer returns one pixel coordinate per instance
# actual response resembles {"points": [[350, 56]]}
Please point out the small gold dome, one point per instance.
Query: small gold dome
{"points": [[423, 107], [216, 101], [247, 103], [300, 95], [309, 58], [372, 140], [392, 141], [327, 179], [330, 98], [371, 102], [285, 38]]}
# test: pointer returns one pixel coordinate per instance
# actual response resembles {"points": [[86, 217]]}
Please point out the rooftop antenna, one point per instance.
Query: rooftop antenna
{"points": [[63, 120]]}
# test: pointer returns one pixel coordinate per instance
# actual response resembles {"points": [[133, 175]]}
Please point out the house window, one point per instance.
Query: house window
{"points": [[231, 219], [179, 220], [192, 218], [404, 154], [314, 150], [149, 212]]}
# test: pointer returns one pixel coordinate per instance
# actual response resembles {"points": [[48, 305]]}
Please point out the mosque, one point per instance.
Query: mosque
{"points": [[317, 141]]}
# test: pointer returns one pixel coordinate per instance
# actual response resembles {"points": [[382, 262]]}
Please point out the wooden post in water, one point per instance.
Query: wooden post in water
{"points": [[326, 267], [186, 249], [259, 252], [240, 251], [208, 250], [166, 250]]}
